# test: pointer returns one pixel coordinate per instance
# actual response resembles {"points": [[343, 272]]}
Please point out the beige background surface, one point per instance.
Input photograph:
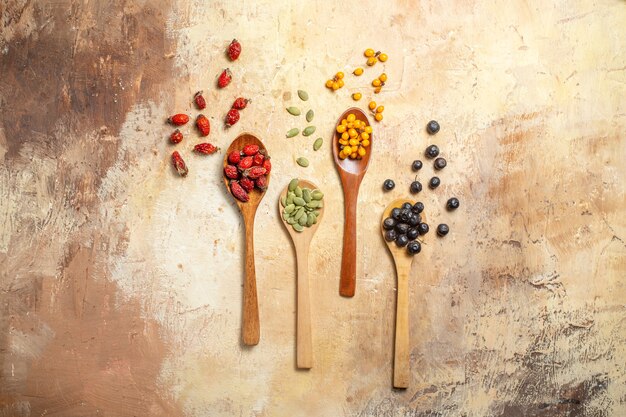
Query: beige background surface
{"points": [[120, 283]]}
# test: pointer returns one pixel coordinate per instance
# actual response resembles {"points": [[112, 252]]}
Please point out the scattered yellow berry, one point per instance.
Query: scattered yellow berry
{"points": [[341, 83], [358, 71], [378, 117], [351, 117], [335, 86], [380, 109], [372, 105], [382, 57], [369, 52], [329, 84], [356, 96], [339, 75], [383, 77], [371, 61], [376, 83], [377, 90]]}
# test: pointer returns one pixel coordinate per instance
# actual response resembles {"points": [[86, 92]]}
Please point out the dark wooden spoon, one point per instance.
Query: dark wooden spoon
{"points": [[250, 330], [351, 172]]}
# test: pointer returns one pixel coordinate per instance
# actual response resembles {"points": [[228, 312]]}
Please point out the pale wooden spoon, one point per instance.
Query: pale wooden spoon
{"points": [[301, 242]]}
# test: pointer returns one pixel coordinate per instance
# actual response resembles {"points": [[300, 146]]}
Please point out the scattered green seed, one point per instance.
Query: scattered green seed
{"points": [[310, 115], [304, 96], [317, 195], [293, 132], [294, 111], [303, 162], [299, 201], [297, 227], [308, 131], [293, 184], [298, 191], [318, 144]]}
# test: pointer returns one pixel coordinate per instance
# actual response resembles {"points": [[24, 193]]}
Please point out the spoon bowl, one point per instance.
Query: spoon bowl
{"points": [[250, 329]]}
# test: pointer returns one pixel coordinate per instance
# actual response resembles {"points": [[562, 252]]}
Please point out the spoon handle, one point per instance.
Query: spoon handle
{"points": [[304, 345], [401, 363], [250, 327], [347, 283]]}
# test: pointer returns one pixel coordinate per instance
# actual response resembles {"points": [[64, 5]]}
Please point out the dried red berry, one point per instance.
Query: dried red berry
{"points": [[176, 136], [258, 159], [199, 100], [240, 103], [178, 119], [179, 164], [224, 79], [247, 184], [261, 183], [203, 125], [250, 149], [267, 165], [238, 191], [206, 148], [232, 117], [245, 163], [254, 172], [231, 172], [234, 49], [234, 157]]}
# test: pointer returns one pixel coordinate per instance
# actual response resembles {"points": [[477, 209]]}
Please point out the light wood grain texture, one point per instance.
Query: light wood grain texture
{"points": [[250, 327], [351, 172], [403, 262], [301, 242]]}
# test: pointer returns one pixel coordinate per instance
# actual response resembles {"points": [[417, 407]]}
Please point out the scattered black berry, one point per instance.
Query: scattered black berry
{"points": [[432, 127], [432, 151], [412, 233], [391, 235], [434, 182], [402, 240], [389, 185], [443, 229], [453, 203], [395, 213], [416, 187], [418, 207], [414, 248], [417, 165], [389, 223], [423, 228], [440, 163]]}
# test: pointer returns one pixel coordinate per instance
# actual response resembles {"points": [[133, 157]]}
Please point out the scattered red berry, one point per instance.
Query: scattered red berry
{"points": [[234, 157], [231, 172], [250, 150], [238, 191], [258, 159], [224, 79], [267, 165], [261, 183], [232, 117], [205, 148], [240, 103], [178, 119], [247, 184], [199, 100], [176, 136], [179, 164], [203, 125], [245, 163], [234, 49], [254, 172]]}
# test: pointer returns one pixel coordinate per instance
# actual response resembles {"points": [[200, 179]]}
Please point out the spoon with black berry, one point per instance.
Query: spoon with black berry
{"points": [[400, 228]]}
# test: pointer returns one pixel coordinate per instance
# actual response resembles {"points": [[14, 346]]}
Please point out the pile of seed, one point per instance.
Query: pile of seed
{"points": [[301, 205]]}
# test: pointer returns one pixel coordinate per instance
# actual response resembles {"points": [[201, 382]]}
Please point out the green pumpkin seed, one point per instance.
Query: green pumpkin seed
{"points": [[283, 200], [317, 212], [293, 132], [297, 227], [318, 144], [290, 208], [313, 204], [303, 162], [285, 215], [298, 215], [299, 201], [317, 195], [290, 199], [304, 96], [291, 221], [311, 220], [308, 131], [294, 111], [306, 194], [303, 220], [310, 115], [293, 184], [298, 191]]}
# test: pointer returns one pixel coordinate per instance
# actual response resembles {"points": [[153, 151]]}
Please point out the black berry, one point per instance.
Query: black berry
{"points": [[423, 228], [417, 165], [434, 182], [418, 207], [395, 213], [414, 248], [414, 219], [443, 229], [416, 187], [402, 228], [391, 235], [402, 240], [440, 163], [453, 203], [432, 151], [412, 233], [389, 223], [405, 215], [389, 185], [406, 206], [432, 127]]}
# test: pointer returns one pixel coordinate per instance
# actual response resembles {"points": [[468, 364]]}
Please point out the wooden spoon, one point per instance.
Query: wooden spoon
{"points": [[351, 172], [401, 363], [301, 243], [250, 322]]}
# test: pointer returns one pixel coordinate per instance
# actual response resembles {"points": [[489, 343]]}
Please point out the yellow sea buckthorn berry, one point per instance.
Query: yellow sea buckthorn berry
{"points": [[361, 151], [345, 136], [351, 117], [365, 143], [378, 117], [335, 86], [344, 122], [382, 57], [341, 82], [380, 109], [383, 77], [339, 75], [353, 142], [372, 105], [352, 132], [358, 71], [376, 83], [356, 96], [329, 84], [365, 136], [368, 129], [342, 155], [347, 150], [371, 61], [369, 52], [341, 128], [377, 90], [353, 155], [343, 142]]}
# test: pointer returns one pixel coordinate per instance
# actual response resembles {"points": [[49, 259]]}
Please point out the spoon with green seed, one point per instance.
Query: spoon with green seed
{"points": [[301, 209]]}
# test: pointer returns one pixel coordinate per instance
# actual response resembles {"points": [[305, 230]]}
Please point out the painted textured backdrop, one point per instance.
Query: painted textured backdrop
{"points": [[120, 283]]}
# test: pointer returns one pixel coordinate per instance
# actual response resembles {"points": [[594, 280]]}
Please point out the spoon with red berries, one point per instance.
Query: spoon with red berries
{"points": [[246, 176]]}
